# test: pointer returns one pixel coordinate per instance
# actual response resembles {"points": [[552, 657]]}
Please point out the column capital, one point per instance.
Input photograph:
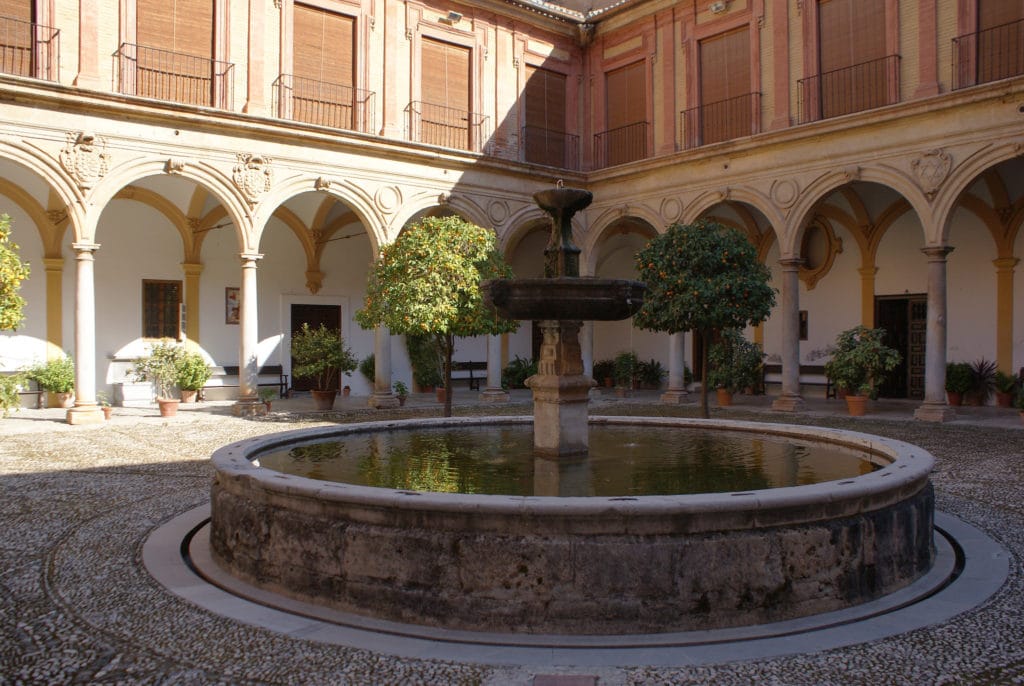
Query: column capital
{"points": [[1005, 264], [791, 264], [53, 264], [937, 253], [868, 272], [250, 258], [85, 248], [192, 268]]}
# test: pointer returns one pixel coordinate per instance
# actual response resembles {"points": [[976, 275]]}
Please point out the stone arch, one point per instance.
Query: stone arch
{"points": [[49, 169], [748, 223], [740, 195], [960, 179], [36, 212], [423, 204], [165, 207], [519, 224], [626, 223]]}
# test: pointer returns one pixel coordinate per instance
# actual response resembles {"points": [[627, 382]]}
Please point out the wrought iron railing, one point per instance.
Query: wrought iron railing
{"points": [[861, 87], [720, 121], [173, 76], [620, 145], [989, 55], [553, 148], [28, 49], [326, 104], [445, 126]]}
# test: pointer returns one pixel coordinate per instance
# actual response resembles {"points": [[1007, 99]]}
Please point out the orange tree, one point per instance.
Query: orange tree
{"points": [[702, 277], [12, 272], [428, 283]]}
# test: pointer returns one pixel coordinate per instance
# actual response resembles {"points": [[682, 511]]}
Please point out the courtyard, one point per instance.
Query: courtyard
{"points": [[78, 606]]}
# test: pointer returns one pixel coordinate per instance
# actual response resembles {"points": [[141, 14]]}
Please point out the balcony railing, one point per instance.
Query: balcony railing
{"points": [[445, 126], [720, 121], [553, 148], [861, 87], [989, 55], [28, 49], [324, 104], [173, 76], [620, 145]]}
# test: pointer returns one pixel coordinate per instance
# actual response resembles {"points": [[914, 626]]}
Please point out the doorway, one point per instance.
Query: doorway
{"points": [[314, 315], [905, 320]]}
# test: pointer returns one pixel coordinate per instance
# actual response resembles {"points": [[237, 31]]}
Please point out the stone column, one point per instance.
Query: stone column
{"points": [[676, 392], [934, 407], [85, 411], [790, 399], [248, 403], [1004, 311], [560, 392], [867, 296], [54, 302], [493, 392], [192, 271], [382, 396]]}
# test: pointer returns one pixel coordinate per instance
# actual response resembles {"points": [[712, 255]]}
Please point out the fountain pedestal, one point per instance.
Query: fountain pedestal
{"points": [[561, 392]]}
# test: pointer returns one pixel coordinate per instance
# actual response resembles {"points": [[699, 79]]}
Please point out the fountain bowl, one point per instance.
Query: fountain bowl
{"points": [[576, 298], [576, 565]]}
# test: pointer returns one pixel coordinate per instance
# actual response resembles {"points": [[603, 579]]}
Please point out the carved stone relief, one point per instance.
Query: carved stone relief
{"points": [[387, 199], [174, 166], [671, 209], [785, 192], [497, 211], [84, 158], [252, 176], [930, 170]]}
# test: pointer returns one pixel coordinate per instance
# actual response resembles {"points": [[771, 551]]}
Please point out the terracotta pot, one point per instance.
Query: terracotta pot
{"points": [[724, 397], [401, 400], [188, 396], [65, 400], [1022, 417], [609, 382], [107, 411], [440, 394], [954, 399], [857, 405], [346, 391], [1004, 399], [168, 406], [324, 400]]}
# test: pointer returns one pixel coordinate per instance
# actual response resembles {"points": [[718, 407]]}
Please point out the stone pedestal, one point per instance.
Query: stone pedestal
{"points": [[561, 392]]}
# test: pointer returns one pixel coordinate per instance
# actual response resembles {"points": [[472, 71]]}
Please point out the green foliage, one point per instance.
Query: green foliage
{"points": [[517, 371], [428, 283], [368, 367], [1018, 402], [735, 363], [160, 368], [401, 390], [56, 375], [650, 373], [193, 372], [266, 394], [983, 380], [625, 365], [1005, 382], [321, 353], [10, 384], [861, 360], [958, 377], [426, 360], [12, 272], [604, 369], [102, 400]]}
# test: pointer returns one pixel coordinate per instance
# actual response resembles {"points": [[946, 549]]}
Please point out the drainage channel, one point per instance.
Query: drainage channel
{"points": [[969, 568]]}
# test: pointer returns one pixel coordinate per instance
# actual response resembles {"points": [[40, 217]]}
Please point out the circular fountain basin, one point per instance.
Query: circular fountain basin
{"points": [[577, 565], [565, 298]]}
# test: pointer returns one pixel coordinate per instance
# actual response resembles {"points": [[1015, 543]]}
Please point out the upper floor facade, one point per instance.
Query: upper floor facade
{"points": [[523, 82]]}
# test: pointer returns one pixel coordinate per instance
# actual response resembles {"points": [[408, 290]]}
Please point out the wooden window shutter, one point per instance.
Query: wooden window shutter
{"points": [[445, 74], [16, 9], [544, 109], [725, 66], [323, 46], [183, 26], [16, 37], [626, 95], [850, 32], [992, 13]]}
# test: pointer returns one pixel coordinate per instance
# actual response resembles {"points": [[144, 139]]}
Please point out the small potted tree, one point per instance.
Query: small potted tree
{"points": [[401, 392], [860, 361], [735, 364], [321, 354], [1019, 402], [604, 372], [193, 373], [161, 368], [626, 364], [1006, 388], [958, 382], [57, 376]]}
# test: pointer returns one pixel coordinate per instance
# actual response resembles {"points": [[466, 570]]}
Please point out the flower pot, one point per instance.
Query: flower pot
{"points": [[346, 391], [857, 405], [723, 396], [168, 406], [401, 400], [266, 404], [65, 400], [441, 394], [188, 396], [324, 400], [1022, 417], [1004, 399], [107, 411], [954, 398]]}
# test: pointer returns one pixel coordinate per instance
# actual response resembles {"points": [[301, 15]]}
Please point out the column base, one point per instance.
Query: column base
{"points": [[85, 414], [494, 395], [249, 407], [675, 396], [383, 401], [788, 403], [934, 412]]}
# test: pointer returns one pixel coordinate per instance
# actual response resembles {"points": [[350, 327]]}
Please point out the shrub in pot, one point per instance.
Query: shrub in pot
{"points": [[983, 381], [958, 381], [321, 354], [1006, 387], [193, 372], [625, 365], [604, 372], [734, 362], [56, 375], [861, 361], [160, 368]]}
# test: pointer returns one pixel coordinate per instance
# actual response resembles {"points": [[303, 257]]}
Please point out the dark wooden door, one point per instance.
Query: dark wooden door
{"points": [[904, 319], [314, 315]]}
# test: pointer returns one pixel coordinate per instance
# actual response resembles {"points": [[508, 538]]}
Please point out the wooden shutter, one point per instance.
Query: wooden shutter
{"points": [[16, 9], [322, 67], [444, 92], [544, 109], [1000, 39], [625, 139], [184, 26], [992, 13], [726, 107], [850, 32], [16, 37]]}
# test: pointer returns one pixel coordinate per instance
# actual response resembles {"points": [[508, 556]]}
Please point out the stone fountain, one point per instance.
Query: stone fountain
{"points": [[562, 300]]}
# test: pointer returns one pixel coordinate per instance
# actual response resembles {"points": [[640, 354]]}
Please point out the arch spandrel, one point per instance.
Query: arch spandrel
{"points": [[962, 176], [59, 181], [521, 225], [741, 195], [599, 235]]}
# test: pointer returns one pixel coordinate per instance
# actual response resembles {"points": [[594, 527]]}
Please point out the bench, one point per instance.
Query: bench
{"points": [[470, 367], [810, 375], [269, 375], [31, 397]]}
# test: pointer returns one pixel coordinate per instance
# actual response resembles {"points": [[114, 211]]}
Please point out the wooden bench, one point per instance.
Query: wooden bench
{"points": [[269, 375], [810, 375], [469, 368]]}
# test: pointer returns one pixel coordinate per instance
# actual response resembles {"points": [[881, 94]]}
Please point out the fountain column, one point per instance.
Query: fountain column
{"points": [[561, 392]]}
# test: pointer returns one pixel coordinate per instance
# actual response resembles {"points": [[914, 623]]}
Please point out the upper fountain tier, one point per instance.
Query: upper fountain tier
{"points": [[563, 294]]}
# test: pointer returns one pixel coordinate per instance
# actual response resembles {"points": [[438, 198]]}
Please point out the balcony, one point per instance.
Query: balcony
{"points": [[445, 126], [551, 148], [720, 121], [620, 145], [863, 86], [989, 55], [173, 76], [324, 104], [28, 49]]}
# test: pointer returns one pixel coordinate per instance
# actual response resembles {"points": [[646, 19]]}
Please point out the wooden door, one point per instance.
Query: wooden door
{"points": [[314, 315], [904, 319]]}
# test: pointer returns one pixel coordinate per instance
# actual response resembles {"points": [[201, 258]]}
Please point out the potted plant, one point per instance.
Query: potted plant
{"points": [[958, 382], [193, 373], [1006, 387], [321, 354], [368, 368], [9, 398], [517, 371], [734, 364], [267, 396], [1019, 402], [161, 368], [104, 403], [983, 381], [56, 375], [401, 392], [425, 358], [604, 372], [626, 364], [649, 374], [860, 361]]}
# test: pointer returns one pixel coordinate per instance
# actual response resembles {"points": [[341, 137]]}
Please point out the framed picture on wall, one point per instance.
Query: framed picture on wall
{"points": [[231, 305]]}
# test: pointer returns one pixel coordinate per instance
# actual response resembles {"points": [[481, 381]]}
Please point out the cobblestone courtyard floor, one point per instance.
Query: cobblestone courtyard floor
{"points": [[77, 606]]}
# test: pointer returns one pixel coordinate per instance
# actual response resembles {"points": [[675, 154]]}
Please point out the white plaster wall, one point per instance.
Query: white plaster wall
{"points": [[20, 348], [222, 267], [833, 305], [970, 291]]}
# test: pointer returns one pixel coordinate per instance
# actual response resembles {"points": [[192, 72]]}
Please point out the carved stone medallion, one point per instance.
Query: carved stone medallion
{"points": [[84, 159], [252, 176], [930, 170]]}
